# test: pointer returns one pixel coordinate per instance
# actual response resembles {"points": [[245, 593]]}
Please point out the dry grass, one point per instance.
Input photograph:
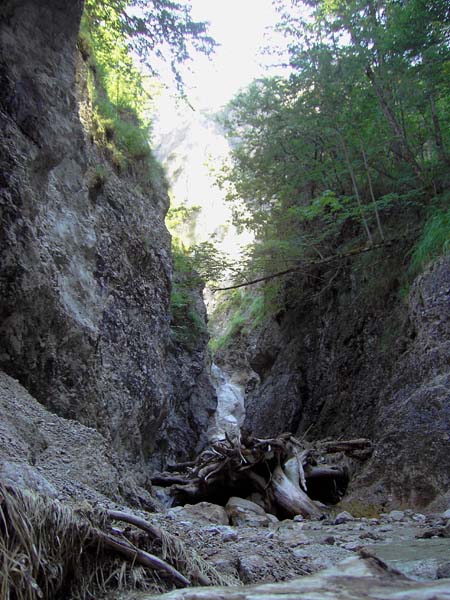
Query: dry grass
{"points": [[49, 550]]}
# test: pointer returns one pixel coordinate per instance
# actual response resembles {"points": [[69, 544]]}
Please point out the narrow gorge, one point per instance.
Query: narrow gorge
{"points": [[147, 447]]}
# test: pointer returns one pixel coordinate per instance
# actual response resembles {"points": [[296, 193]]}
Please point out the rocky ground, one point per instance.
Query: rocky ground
{"points": [[403, 554], [74, 465], [415, 544]]}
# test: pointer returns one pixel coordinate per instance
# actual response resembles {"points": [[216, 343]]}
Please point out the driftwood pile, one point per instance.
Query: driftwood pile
{"points": [[294, 478]]}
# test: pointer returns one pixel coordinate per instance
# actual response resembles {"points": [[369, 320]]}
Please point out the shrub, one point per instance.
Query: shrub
{"points": [[434, 242]]}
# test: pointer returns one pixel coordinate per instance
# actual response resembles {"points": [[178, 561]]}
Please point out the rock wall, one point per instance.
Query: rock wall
{"points": [[85, 265], [351, 357]]}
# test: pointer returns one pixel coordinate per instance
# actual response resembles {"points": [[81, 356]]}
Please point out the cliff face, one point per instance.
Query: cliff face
{"points": [[85, 264], [353, 359]]}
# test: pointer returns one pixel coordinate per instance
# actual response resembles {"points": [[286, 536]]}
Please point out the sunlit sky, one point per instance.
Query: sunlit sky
{"points": [[239, 26]]}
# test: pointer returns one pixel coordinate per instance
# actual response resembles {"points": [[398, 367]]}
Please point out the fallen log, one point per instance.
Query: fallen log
{"points": [[279, 468], [157, 534], [290, 497], [48, 546]]}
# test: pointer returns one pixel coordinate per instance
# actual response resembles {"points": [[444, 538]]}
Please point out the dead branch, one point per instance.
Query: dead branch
{"points": [[141, 557], [149, 528], [312, 263], [346, 445]]}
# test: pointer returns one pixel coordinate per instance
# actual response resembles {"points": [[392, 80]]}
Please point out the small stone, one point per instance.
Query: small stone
{"points": [[353, 546], [250, 568], [244, 513], [343, 517], [330, 540], [428, 534], [446, 514], [368, 535], [272, 518], [419, 517], [298, 518], [229, 536], [397, 515], [443, 570], [203, 513]]}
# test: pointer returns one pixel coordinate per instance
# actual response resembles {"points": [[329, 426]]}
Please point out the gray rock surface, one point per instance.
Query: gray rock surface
{"points": [[85, 265], [246, 513], [56, 457], [202, 513], [359, 361]]}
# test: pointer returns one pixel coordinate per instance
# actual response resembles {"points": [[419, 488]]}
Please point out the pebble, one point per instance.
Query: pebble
{"points": [[446, 514], [443, 570], [329, 540], [396, 515], [419, 517], [353, 546], [343, 517], [229, 536]]}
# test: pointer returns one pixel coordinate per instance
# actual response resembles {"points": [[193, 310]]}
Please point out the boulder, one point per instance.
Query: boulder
{"points": [[343, 517], [246, 513], [202, 513]]}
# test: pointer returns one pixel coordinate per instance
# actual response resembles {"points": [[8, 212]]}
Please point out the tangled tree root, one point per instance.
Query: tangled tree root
{"points": [[50, 550], [287, 472]]}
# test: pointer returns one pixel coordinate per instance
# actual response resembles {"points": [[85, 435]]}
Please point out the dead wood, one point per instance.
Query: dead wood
{"points": [[324, 471], [312, 263], [153, 531], [346, 445], [167, 479], [290, 497], [135, 555], [279, 468]]}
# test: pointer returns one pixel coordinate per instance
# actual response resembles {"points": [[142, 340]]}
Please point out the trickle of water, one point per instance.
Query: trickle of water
{"points": [[230, 412]]}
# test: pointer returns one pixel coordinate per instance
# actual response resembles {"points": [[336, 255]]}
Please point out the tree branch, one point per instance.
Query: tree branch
{"points": [[323, 261]]}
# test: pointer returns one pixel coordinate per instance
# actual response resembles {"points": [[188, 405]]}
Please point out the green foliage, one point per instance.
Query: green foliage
{"points": [[119, 93], [357, 132], [156, 31], [187, 324], [246, 310], [434, 241], [116, 90], [204, 258]]}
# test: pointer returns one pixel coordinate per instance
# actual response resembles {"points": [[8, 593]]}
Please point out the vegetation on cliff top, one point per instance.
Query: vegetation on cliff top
{"points": [[358, 130], [111, 33], [352, 147]]}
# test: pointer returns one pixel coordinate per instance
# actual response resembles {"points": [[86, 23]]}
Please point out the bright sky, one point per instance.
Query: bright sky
{"points": [[186, 136], [239, 26]]}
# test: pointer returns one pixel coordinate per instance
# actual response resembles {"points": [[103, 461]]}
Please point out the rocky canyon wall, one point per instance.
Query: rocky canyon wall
{"points": [[351, 354], [85, 264]]}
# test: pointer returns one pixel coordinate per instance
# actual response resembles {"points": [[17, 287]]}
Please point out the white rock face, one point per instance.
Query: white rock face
{"points": [[230, 412]]}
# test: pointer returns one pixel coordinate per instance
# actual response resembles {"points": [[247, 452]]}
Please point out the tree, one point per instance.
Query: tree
{"points": [[360, 126], [154, 30]]}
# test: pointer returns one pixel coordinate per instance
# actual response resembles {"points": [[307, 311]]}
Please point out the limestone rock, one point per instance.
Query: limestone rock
{"points": [[85, 267], [246, 513], [343, 517], [53, 456], [396, 515], [397, 363], [443, 571], [202, 513]]}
